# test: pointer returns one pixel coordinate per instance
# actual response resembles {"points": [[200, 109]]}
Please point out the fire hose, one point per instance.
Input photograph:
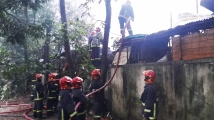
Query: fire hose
{"points": [[118, 60]]}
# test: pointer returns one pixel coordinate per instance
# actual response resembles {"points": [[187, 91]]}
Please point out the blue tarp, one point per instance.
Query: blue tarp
{"points": [[135, 36]]}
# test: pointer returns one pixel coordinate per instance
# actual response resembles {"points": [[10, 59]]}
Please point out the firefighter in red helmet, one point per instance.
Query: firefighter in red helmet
{"points": [[99, 96], [96, 41], [91, 38], [52, 87], [66, 103], [149, 96], [38, 97], [78, 96], [99, 34]]}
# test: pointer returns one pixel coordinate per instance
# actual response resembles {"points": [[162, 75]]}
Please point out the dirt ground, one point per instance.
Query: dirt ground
{"points": [[54, 118], [18, 116]]}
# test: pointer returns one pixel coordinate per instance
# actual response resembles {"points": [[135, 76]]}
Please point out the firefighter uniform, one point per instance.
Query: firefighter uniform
{"points": [[51, 97], [66, 103], [32, 88], [66, 106], [149, 97], [38, 98], [98, 98], [95, 46], [57, 95], [78, 96], [126, 12]]}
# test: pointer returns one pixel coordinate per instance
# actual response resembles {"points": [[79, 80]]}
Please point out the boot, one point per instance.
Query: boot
{"points": [[35, 114], [121, 32], [130, 32], [97, 118]]}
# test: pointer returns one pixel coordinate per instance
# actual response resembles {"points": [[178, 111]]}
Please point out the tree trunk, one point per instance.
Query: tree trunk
{"points": [[46, 49], [104, 62], [25, 47], [65, 38]]}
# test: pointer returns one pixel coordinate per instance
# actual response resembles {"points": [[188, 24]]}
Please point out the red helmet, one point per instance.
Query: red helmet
{"points": [[64, 82], [76, 82], [93, 33], [98, 29], [149, 76], [38, 76], [52, 76], [95, 72]]}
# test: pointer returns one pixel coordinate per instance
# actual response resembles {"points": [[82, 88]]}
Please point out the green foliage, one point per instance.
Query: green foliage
{"points": [[13, 27], [22, 40]]}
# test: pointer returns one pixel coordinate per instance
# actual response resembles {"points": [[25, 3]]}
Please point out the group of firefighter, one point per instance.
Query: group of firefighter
{"points": [[63, 94]]}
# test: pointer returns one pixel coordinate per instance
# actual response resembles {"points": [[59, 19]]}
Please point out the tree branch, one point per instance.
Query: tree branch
{"points": [[12, 16]]}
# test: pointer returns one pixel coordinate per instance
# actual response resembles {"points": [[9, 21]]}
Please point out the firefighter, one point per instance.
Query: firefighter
{"points": [[99, 34], [149, 97], [95, 47], [90, 39], [51, 93], [66, 103], [99, 96], [32, 85], [126, 12], [57, 91], [78, 96], [38, 97]]}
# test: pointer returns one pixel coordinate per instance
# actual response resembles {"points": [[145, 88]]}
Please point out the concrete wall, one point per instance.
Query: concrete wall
{"points": [[186, 90]]}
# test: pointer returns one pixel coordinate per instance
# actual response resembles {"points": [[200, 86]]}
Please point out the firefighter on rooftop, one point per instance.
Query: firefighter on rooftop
{"points": [[149, 97], [126, 12]]}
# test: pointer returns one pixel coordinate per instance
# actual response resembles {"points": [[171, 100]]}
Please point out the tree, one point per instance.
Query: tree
{"points": [[104, 62], [13, 27], [65, 38]]}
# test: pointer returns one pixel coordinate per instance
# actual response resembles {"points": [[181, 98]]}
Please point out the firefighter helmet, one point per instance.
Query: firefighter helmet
{"points": [[149, 76], [128, 2], [93, 33], [76, 82], [38, 76], [98, 29], [95, 72], [64, 82], [52, 76]]}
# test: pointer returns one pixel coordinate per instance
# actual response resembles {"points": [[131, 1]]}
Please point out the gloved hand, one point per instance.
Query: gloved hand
{"points": [[95, 90], [133, 19]]}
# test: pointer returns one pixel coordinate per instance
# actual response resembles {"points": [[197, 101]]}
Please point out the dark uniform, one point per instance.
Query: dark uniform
{"points": [[66, 106], [149, 100], [126, 12], [32, 88], [98, 98], [95, 47], [51, 97], [78, 96], [57, 95], [38, 100]]}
